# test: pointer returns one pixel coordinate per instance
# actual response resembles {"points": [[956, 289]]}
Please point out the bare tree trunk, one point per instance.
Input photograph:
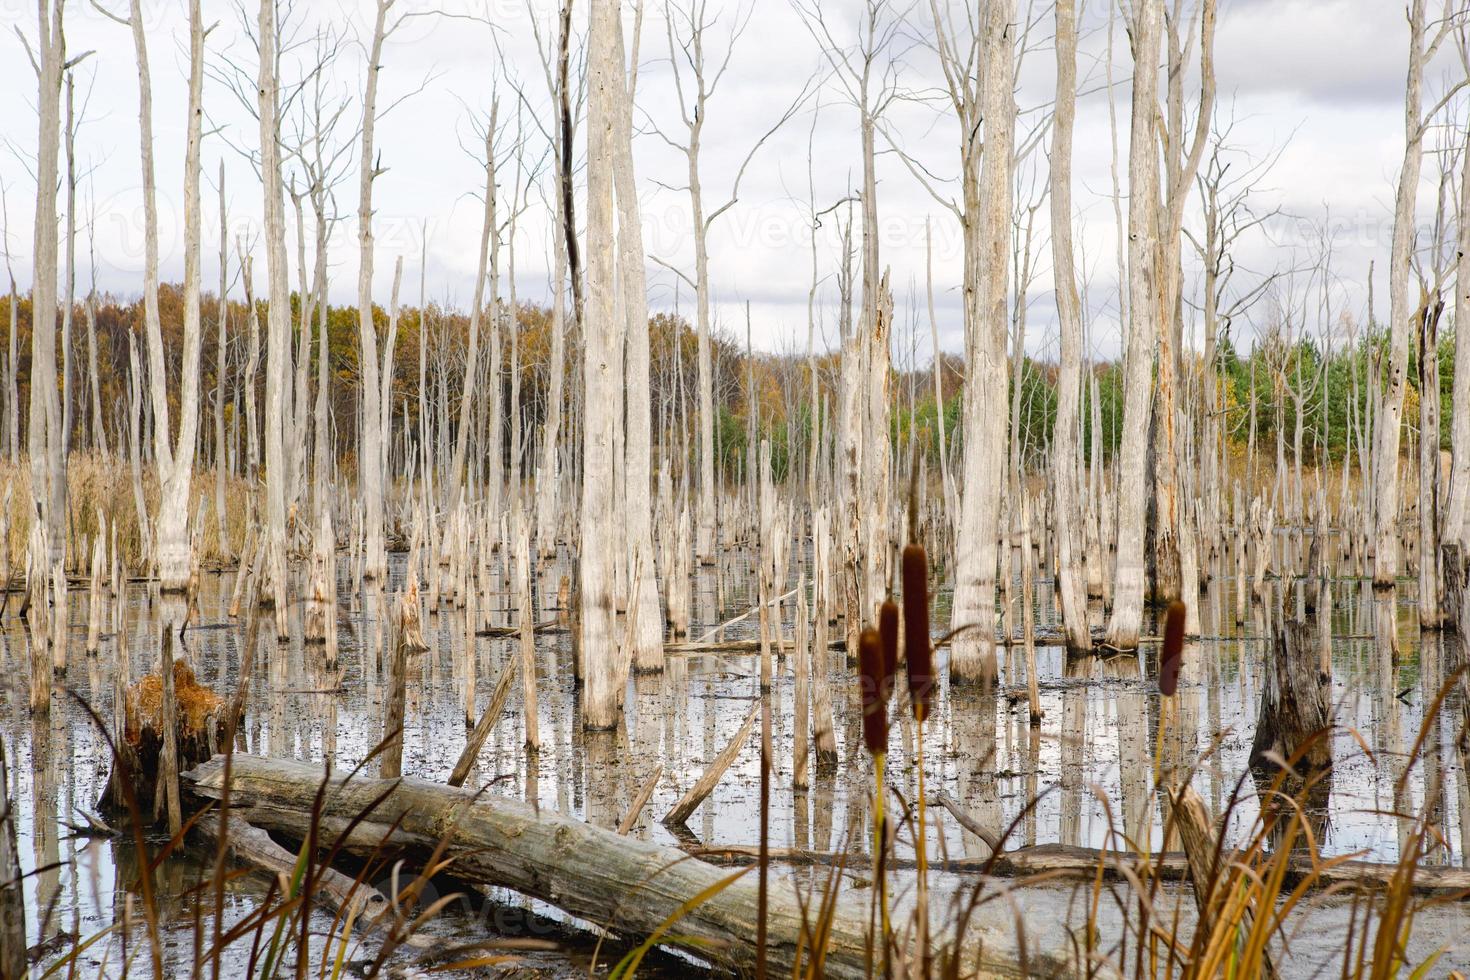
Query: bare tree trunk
{"points": [[1389, 418], [278, 339], [938, 371], [987, 216], [44, 438], [221, 350], [1132, 502], [488, 267], [71, 264], [322, 446], [1176, 561], [1431, 615], [1456, 528], [175, 462], [602, 361], [370, 452], [1071, 589], [644, 607], [548, 479], [12, 395]]}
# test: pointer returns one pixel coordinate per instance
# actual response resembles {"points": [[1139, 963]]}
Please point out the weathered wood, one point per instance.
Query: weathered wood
{"points": [[1207, 864], [393, 709], [487, 721], [1294, 708], [251, 845], [711, 777], [631, 887], [1070, 861], [630, 819], [1455, 581], [12, 894], [200, 719], [964, 819]]}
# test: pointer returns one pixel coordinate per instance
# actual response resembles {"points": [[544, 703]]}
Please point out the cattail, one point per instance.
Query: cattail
{"points": [[874, 680], [919, 650], [888, 634], [1173, 653]]}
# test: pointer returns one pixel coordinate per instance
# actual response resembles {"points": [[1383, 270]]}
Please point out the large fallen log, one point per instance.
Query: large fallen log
{"points": [[633, 888], [1073, 863]]}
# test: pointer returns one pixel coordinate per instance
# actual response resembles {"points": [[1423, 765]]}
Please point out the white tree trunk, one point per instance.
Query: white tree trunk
{"points": [[1128, 576], [1388, 421], [44, 439], [1456, 528], [602, 361], [370, 451], [1071, 589], [987, 265], [278, 339], [644, 606], [175, 462]]}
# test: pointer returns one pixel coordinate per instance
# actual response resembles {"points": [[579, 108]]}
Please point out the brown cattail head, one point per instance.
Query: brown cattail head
{"points": [[874, 682], [1173, 652], [917, 645], [888, 634]]}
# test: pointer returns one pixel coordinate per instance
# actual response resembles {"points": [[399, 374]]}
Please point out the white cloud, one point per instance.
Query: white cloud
{"points": [[1325, 75]]}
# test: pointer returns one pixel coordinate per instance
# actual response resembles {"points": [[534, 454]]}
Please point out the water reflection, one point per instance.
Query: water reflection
{"points": [[1100, 727]]}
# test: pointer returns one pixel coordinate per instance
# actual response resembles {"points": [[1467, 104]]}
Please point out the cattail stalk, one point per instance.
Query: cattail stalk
{"points": [[872, 667], [919, 652]]}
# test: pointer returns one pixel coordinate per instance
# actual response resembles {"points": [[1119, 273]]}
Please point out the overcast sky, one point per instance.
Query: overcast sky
{"points": [[1315, 85]]}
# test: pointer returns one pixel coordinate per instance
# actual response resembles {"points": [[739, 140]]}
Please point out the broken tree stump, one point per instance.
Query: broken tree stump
{"points": [[1294, 714], [1294, 727], [1455, 581], [200, 729]]}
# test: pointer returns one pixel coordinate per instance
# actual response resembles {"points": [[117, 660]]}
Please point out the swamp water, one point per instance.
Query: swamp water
{"points": [[1088, 767]]}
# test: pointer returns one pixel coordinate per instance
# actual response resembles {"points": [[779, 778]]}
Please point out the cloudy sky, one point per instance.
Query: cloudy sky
{"points": [[1312, 92]]}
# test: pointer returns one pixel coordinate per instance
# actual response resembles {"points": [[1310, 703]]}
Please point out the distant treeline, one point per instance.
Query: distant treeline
{"points": [[1266, 393]]}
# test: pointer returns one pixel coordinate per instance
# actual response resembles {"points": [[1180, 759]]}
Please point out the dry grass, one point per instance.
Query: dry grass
{"points": [[105, 484]]}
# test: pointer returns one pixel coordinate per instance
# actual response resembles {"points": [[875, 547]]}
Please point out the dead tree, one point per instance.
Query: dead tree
{"points": [[1424, 42], [175, 460], [602, 376], [1143, 299], [1071, 589]]}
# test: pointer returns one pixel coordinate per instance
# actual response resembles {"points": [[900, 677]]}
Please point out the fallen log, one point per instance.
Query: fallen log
{"points": [[251, 845], [633, 888], [1081, 863], [626, 886]]}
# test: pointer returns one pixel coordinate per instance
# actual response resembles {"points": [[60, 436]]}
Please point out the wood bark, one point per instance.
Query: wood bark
{"points": [[45, 442], [629, 886], [370, 445], [1071, 589], [278, 334], [986, 224], [175, 460], [1456, 528], [645, 610], [1132, 497], [602, 377], [1388, 419]]}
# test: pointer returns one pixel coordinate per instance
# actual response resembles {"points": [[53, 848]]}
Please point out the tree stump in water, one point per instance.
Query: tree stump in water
{"points": [[200, 719], [1294, 718], [1455, 581]]}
